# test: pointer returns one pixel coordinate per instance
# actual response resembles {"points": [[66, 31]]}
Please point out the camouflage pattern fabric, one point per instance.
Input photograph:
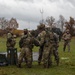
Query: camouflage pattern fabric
{"points": [[55, 48], [27, 55], [67, 38], [49, 41], [45, 39], [26, 51], [10, 43], [41, 38]]}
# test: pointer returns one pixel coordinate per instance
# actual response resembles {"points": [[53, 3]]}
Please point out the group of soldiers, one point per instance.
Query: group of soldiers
{"points": [[48, 43]]}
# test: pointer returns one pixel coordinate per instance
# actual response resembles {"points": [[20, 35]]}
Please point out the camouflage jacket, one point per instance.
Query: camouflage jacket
{"points": [[41, 37], [10, 42], [47, 38], [66, 37], [28, 41]]}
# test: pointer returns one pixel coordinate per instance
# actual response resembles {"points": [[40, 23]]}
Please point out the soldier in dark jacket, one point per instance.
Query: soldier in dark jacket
{"points": [[26, 51]]}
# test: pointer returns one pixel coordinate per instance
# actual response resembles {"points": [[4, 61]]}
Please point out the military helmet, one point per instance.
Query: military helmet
{"points": [[25, 31]]}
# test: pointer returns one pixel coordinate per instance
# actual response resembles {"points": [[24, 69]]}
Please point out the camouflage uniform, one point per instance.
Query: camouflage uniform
{"points": [[42, 33], [26, 51], [55, 48], [45, 40], [48, 49], [49, 41], [67, 38], [24, 36], [10, 43]]}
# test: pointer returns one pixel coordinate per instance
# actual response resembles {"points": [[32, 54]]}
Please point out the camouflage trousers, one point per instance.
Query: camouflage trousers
{"points": [[25, 53], [66, 43], [40, 54], [47, 53], [56, 55]]}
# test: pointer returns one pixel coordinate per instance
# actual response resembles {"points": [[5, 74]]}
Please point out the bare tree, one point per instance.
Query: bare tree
{"points": [[61, 21], [50, 21], [3, 23], [70, 25]]}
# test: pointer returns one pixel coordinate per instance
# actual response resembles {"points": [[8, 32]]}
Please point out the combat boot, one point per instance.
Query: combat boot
{"points": [[64, 48], [39, 63], [44, 65], [19, 66]]}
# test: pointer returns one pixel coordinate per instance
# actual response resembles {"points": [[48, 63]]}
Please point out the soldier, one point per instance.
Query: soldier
{"points": [[67, 38], [42, 33], [55, 48], [24, 36], [10, 43], [26, 50], [44, 39], [49, 40], [48, 49]]}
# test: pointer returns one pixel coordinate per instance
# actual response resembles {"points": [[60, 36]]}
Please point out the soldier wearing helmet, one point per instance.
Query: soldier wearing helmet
{"points": [[41, 29], [10, 43], [25, 31], [67, 38], [26, 44]]}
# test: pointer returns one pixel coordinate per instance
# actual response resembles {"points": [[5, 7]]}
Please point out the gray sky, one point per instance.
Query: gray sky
{"points": [[27, 12]]}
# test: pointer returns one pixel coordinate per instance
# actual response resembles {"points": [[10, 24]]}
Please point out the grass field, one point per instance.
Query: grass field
{"points": [[66, 67]]}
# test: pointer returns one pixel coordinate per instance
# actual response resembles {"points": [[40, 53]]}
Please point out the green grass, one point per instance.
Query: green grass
{"points": [[66, 67]]}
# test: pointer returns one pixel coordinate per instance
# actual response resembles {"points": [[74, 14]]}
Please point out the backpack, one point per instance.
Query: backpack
{"points": [[22, 41]]}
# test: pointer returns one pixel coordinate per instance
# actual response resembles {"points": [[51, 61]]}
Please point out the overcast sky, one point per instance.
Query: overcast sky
{"points": [[27, 12]]}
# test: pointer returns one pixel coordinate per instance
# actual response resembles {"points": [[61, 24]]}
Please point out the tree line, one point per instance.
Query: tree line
{"points": [[12, 24]]}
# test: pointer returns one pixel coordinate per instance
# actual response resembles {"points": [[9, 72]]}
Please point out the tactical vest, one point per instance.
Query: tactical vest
{"points": [[49, 38], [67, 37], [10, 42], [28, 42]]}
